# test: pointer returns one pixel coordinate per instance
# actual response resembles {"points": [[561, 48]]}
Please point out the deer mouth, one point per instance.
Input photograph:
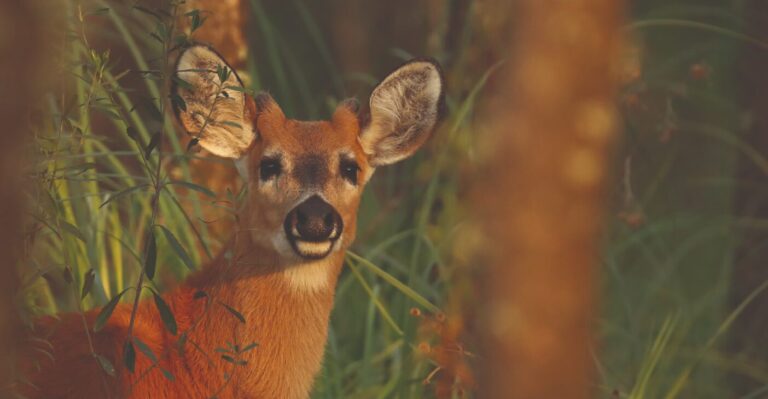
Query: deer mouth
{"points": [[312, 228]]}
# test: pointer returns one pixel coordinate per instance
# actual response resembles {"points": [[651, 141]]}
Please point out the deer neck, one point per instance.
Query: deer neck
{"points": [[286, 308]]}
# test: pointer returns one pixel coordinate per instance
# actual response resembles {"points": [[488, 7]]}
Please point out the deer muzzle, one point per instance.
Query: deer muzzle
{"points": [[313, 227]]}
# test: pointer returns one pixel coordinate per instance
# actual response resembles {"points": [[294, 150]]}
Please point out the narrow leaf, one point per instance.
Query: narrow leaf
{"points": [[129, 356], [178, 102], [152, 110], [192, 143], [167, 374], [132, 133], [72, 230], [182, 83], [150, 262], [122, 193], [105, 364], [234, 312], [153, 142], [165, 313], [106, 311], [199, 294], [67, 273], [228, 358], [178, 248], [233, 124], [98, 11], [88, 278], [147, 11], [249, 347], [236, 88], [145, 349], [195, 187], [109, 113]]}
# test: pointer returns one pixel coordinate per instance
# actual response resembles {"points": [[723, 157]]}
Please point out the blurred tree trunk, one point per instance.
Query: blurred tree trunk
{"points": [[223, 28], [748, 337], [21, 73], [541, 198]]}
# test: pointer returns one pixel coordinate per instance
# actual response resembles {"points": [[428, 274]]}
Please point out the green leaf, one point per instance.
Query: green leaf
{"points": [[88, 278], [67, 274], [129, 356], [249, 347], [236, 88], [147, 11], [196, 21], [222, 72], [181, 82], [72, 230], [150, 262], [199, 294], [153, 142], [131, 132], [98, 11], [106, 311], [178, 102], [152, 110], [195, 187], [181, 342], [181, 40], [163, 31], [144, 348], [156, 37], [234, 312], [228, 358], [105, 364], [192, 143], [122, 193], [165, 313], [108, 112], [167, 374], [178, 248], [233, 124]]}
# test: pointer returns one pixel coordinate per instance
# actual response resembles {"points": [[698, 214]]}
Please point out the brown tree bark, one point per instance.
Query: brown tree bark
{"points": [[223, 28], [540, 198], [23, 42]]}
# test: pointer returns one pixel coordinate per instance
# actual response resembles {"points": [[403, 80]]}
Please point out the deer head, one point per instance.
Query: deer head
{"points": [[305, 179]]}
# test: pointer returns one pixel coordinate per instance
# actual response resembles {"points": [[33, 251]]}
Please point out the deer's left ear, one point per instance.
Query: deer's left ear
{"points": [[215, 108], [404, 110]]}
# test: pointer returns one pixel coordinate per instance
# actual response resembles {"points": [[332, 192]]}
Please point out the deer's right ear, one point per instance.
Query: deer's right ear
{"points": [[215, 108], [404, 110]]}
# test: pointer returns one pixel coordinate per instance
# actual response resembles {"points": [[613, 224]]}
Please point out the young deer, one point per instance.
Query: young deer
{"points": [[279, 271]]}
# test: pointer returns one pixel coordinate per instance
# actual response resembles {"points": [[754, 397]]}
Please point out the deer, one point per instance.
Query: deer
{"points": [[266, 298]]}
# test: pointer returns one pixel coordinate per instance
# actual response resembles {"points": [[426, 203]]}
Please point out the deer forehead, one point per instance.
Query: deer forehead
{"points": [[307, 145]]}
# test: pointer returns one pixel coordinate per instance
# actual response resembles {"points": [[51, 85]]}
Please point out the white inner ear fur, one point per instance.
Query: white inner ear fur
{"points": [[219, 135], [404, 110]]}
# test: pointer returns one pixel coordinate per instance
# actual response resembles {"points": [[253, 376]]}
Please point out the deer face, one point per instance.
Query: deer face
{"points": [[305, 179]]}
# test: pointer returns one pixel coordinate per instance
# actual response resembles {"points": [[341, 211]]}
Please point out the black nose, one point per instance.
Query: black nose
{"points": [[313, 220]]}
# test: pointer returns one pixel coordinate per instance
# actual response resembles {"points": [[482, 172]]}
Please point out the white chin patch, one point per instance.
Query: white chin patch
{"points": [[313, 249]]}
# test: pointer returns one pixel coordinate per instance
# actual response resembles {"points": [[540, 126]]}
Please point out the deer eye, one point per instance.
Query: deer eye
{"points": [[348, 169], [269, 168]]}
